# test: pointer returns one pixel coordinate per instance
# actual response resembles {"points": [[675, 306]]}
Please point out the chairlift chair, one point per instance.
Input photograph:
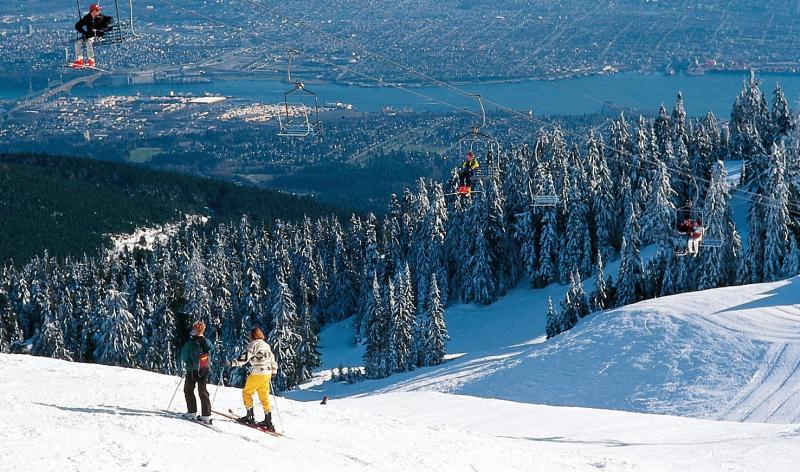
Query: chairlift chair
{"points": [[711, 238], [119, 31], [300, 115], [542, 198], [481, 145]]}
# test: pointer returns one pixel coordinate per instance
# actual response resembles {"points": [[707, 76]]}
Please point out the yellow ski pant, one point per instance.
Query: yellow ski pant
{"points": [[256, 383]]}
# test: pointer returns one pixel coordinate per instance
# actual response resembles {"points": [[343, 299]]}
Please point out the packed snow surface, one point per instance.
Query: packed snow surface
{"points": [[722, 367], [56, 415]]}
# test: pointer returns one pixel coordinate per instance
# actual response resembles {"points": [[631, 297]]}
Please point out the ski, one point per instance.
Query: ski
{"points": [[86, 67], [462, 194], [172, 414], [232, 416]]}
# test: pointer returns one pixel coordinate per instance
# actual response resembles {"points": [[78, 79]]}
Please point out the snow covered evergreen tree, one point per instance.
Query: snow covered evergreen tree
{"points": [[791, 265], [553, 324], [376, 355], [481, 287], [577, 248], [548, 249], [629, 280], [9, 330], [116, 340], [435, 331], [599, 297], [578, 295], [658, 217], [402, 327], [569, 314], [776, 215], [283, 338], [718, 263], [782, 117]]}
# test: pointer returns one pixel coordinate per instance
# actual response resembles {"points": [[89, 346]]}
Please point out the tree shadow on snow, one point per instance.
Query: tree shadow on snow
{"points": [[788, 294], [112, 410]]}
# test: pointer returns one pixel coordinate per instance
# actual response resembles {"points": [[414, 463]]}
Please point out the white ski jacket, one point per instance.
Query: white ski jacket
{"points": [[259, 355]]}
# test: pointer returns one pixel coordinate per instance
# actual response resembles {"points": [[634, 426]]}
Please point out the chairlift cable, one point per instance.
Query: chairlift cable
{"points": [[764, 199], [740, 194]]}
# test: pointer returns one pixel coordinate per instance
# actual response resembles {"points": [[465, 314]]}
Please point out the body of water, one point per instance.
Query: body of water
{"points": [[643, 93]]}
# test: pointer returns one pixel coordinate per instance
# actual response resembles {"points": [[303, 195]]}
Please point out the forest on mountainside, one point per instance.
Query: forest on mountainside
{"points": [[68, 206]]}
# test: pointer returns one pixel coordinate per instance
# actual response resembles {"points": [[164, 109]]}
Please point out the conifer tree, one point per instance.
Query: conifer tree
{"points": [[776, 216], [569, 314], [791, 265], [578, 295], [752, 270], [9, 330], [576, 253], [604, 209], [548, 248], [717, 263], [50, 342], [678, 121], [553, 324], [435, 331], [525, 233], [402, 324], [658, 218], [116, 341], [782, 116], [376, 355], [629, 280], [283, 337], [599, 296], [308, 357]]}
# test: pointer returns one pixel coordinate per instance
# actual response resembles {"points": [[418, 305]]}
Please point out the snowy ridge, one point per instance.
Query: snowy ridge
{"points": [[730, 353]]}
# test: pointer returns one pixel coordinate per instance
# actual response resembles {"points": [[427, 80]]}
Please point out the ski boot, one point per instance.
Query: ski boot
{"points": [[78, 64], [90, 62], [267, 423], [204, 419], [192, 415], [248, 418], [463, 190]]}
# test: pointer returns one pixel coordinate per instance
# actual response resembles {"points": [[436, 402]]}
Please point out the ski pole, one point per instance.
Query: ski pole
{"points": [[275, 399], [221, 378], [175, 393]]}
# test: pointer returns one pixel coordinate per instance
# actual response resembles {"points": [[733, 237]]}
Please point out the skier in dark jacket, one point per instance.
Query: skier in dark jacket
{"points": [[93, 25], [466, 174], [196, 355]]}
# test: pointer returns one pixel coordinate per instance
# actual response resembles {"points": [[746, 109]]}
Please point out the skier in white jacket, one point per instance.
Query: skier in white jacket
{"points": [[259, 355]]}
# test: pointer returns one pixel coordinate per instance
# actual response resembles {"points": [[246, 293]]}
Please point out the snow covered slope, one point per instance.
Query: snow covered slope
{"points": [[730, 353], [56, 415]]}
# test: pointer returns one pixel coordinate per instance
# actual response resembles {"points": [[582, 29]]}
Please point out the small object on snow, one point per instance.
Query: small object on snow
{"points": [[324, 400]]}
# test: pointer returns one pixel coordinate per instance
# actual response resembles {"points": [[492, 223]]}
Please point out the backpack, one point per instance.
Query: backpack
{"points": [[203, 359]]}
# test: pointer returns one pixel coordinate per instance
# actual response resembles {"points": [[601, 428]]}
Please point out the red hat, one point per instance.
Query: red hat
{"points": [[470, 155], [94, 7]]}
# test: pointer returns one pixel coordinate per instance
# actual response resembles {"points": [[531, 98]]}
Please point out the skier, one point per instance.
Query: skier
{"points": [[259, 355], [466, 174], [196, 354], [93, 25], [695, 236]]}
